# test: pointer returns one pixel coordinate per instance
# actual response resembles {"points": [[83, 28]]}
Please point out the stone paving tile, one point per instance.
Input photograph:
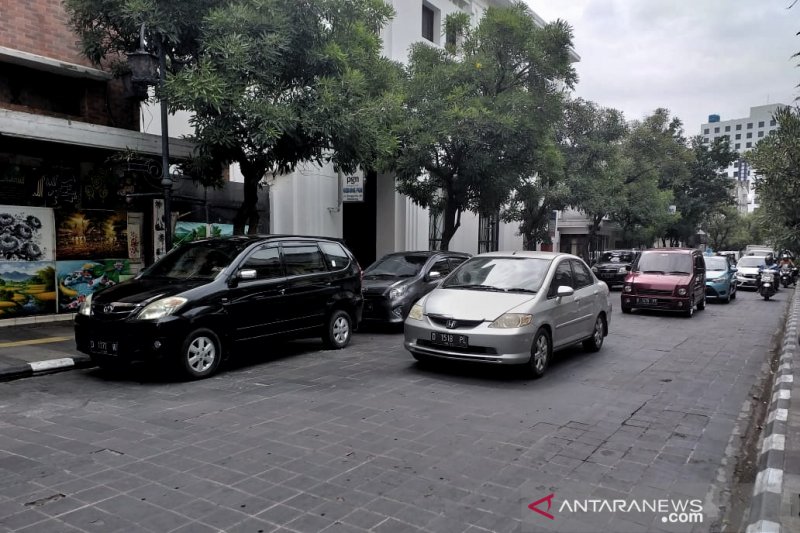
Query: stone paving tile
{"points": [[364, 439]]}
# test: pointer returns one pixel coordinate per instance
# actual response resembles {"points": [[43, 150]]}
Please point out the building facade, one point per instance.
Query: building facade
{"points": [[68, 222], [742, 134]]}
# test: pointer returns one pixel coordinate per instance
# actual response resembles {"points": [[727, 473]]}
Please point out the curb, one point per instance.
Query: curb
{"points": [[48, 366], [765, 507]]}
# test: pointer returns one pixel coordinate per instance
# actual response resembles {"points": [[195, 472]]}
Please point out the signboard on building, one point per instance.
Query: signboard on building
{"points": [[353, 189]]}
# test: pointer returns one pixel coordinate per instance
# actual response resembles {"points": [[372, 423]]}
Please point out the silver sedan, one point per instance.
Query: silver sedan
{"points": [[511, 308]]}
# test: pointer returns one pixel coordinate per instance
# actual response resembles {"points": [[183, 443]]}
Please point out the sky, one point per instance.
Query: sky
{"points": [[693, 57]]}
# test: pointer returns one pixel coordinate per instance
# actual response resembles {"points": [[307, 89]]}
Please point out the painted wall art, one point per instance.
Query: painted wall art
{"points": [[27, 288], [91, 233], [79, 279], [192, 231], [26, 233]]}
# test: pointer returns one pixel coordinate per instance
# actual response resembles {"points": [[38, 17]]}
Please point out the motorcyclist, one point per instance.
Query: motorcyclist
{"points": [[771, 264], [787, 262]]}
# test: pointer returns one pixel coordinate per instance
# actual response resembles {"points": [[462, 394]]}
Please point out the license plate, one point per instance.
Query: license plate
{"points": [[450, 339], [607, 276], [647, 301], [104, 347]]}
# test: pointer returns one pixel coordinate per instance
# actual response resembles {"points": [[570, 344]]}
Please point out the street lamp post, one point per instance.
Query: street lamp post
{"points": [[151, 70]]}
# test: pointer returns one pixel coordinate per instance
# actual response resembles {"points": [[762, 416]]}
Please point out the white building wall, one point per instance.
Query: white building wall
{"points": [[305, 202]]}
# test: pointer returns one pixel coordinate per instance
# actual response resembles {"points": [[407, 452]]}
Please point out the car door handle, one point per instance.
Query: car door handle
{"points": [[281, 291]]}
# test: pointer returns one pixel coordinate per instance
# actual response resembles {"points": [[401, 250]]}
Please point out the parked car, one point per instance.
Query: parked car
{"points": [[511, 308], [613, 265], [193, 306], [720, 278], [747, 274], [394, 282], [672, 279]]}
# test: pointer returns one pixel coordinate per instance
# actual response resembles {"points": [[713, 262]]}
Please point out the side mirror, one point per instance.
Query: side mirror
{"points": [[434, 275], [247, 274], [563, 290]]}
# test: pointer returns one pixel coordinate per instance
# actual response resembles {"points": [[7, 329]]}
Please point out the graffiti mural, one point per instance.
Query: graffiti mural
{"points": [[26, 233], [91, 233], [79, 279], [27, 288]]}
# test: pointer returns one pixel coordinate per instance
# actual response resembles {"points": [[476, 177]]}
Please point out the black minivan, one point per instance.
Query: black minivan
{"points": [[191, 307]]}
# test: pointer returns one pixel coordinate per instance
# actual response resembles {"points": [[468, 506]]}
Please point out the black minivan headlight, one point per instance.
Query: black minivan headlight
{"points": [[161, 308]]}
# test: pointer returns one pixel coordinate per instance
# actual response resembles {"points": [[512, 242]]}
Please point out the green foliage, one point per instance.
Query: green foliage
{"points": [[478, 121], [727, 229], [776, 160]]}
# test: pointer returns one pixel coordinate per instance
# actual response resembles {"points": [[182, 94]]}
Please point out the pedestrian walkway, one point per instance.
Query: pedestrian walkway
{"points": [[33, 348]]}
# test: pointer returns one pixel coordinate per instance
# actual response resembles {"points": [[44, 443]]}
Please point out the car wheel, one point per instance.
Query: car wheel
{"points": [[701, 304], [689, 313], [734, 290], [201, 354], [626, 310], [595, 342], [728, 298], [338, 330], [541, 351]]}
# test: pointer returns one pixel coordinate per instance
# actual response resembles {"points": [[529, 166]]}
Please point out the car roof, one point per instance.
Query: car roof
{"points": [[261, 237], [671, 250], [528, 253], [427, 253]]}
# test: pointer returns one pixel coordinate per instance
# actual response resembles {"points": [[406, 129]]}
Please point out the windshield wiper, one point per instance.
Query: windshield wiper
{"points": [[521, 289], [652, 272], [476, 287], [679, 272], [374, 276]]}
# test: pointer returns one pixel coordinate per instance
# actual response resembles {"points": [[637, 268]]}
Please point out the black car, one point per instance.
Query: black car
{"points": [[394, 282], [613, 265], [195, 304]]}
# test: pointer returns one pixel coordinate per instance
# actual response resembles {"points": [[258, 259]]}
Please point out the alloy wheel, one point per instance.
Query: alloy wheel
{"points": [[201, 354]]}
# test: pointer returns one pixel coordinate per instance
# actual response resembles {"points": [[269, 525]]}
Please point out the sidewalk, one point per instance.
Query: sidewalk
{"points": [[36, 348]]}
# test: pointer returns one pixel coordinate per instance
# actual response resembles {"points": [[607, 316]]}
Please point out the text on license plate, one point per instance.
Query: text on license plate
{"points": [[106, 347], [450, 339], [647, 301]]}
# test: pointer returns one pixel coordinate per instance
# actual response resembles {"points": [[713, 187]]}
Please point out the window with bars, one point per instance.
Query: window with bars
{"points": [[427, 23], [488, 232]]}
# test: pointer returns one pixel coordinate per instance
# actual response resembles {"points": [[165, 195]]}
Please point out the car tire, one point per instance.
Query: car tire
{"points": [[541, 351], [701, 304], [734, 290], [201, 354], [627, 310], [595, 342], [338, 330], [689, 313], [728, 298]]}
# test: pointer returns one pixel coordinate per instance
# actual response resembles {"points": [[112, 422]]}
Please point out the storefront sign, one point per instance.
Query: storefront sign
{"points": [[353, 189]]}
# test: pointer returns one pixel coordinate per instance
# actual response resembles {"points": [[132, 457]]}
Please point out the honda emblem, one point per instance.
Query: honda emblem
{"points": [[451, 324]]}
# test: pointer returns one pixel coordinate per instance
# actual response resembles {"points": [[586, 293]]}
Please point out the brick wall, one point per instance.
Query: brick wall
{"points": [[41, 27]]}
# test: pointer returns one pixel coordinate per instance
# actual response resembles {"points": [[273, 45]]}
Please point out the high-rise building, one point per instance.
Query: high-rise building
{"points": [[743, 134]]}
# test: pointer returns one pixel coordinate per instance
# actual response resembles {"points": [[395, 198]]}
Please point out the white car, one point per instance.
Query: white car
{"points": [[511, 308], [747, 270]]}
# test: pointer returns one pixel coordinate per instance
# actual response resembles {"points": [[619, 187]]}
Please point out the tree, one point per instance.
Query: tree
{"points": [[726, 229], [279, 83], [654, 158], [776, 160], [270, 83], [476, 118], [705, 190], [591, 139]]}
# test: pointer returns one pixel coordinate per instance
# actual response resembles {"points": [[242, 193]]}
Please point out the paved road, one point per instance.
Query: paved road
{"points": [[297, 439]]}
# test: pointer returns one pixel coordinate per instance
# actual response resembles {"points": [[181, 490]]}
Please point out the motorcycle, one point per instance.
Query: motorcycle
{"points": [[787, 276], [766, 284]]}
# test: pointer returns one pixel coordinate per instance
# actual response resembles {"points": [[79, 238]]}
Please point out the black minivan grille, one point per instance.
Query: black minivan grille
{"points": [[113, 310]]}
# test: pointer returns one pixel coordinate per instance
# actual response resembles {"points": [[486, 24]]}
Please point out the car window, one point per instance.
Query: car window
{"points": [[616, 257], [196, 260], [716, 263], [582, 277], [397, 266], [455, 261], [303, 259], [441, 266], [335, 255], [563, 277], [266, 261], [502, 274]]}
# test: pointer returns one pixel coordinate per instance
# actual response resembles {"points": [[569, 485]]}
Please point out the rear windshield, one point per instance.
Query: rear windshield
{"points": [[751, 261], [616, 257], [716, 263], [664, 263]]}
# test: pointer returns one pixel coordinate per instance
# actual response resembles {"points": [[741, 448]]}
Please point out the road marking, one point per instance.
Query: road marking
{"points": [[46, 340]]}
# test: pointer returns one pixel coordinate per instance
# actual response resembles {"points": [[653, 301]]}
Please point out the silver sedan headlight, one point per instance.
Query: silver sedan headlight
{"points": [[416, 312], [512, 320]]}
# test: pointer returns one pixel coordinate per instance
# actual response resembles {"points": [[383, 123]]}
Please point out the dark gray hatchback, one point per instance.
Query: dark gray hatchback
{"points": [[394, 282], [195, 304]]}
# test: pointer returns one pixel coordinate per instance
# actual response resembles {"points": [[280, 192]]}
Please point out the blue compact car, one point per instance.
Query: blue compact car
{"points": [[720, 278]]}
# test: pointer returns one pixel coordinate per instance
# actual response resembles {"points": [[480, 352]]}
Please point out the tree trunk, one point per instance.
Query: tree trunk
{"points": [[248, 211], [452, 219]]}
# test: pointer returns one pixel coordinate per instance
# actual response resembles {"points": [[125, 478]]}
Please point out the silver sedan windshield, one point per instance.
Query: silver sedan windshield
{"points": [[500, 274]]}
